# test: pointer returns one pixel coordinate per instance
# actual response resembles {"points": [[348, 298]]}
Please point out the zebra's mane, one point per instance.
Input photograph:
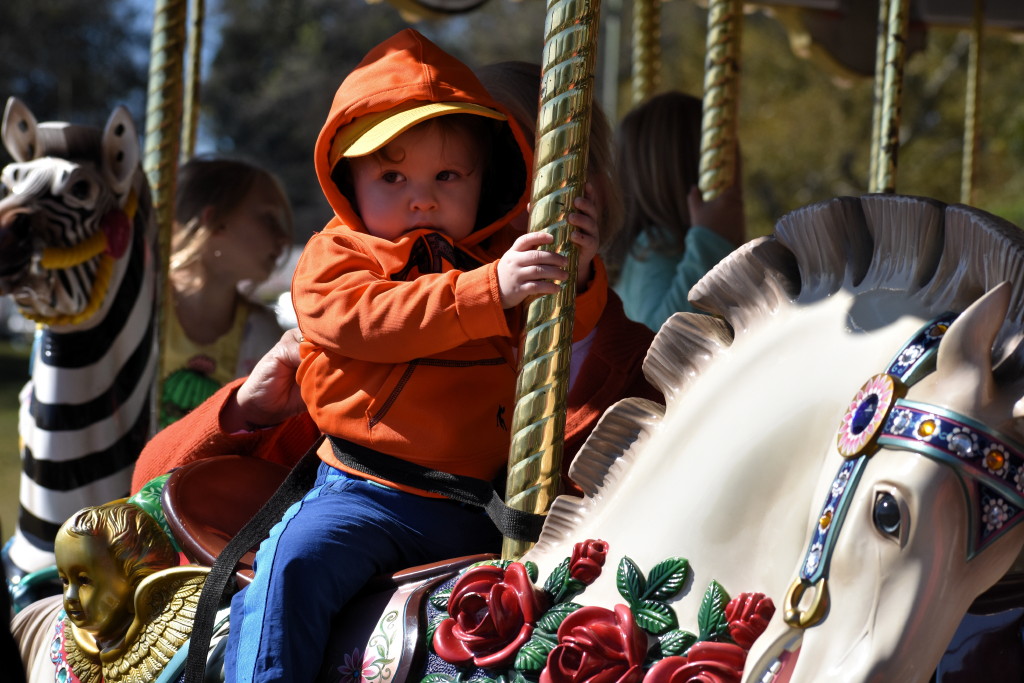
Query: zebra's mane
{"points": [[943, 256]]}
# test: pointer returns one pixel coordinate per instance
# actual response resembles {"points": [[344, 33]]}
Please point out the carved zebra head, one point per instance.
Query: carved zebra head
{"points": [[66, 208]]}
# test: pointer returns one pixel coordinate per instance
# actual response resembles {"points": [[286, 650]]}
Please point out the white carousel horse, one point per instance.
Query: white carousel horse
{"points": [[746, 446], [77, 254]]}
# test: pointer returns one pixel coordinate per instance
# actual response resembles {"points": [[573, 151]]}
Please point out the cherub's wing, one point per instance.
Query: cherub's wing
{"points": [[165, 607]]}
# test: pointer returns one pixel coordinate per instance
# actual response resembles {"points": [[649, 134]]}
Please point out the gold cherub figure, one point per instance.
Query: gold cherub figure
{"points": [[129, 606]]}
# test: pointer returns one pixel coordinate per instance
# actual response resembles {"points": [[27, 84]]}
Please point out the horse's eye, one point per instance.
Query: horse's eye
{"points": [[886, 514], [81, 189]]}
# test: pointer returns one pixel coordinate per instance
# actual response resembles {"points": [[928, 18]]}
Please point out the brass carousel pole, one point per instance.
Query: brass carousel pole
{"points": [[646, 78], [560, 165], [163, 136], [190, 115], [879, 85], [888, 131], [968, 171], [721, 97]]}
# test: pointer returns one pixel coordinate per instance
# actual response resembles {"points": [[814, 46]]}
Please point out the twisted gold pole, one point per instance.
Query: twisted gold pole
{"points": [[190, 116], [892, 95], [163, 136], [879, 89], [560, 167], [721, 96], [646, 49], [968, 170]]}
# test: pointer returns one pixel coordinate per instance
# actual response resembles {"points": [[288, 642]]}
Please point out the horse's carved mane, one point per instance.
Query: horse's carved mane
{"points": [[944, 256]]}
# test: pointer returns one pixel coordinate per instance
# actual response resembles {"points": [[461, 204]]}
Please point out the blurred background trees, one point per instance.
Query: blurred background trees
{"points": [[273, 66]]}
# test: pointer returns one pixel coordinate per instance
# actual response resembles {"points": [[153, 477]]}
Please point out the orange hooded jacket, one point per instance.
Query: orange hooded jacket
{"points": [[407, 349]]}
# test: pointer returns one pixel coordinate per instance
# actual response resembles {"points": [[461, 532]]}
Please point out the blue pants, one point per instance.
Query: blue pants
{"points": [[326, 546]]}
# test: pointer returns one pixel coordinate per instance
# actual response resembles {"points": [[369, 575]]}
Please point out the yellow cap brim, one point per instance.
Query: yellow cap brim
{"points": [[366, 134]]}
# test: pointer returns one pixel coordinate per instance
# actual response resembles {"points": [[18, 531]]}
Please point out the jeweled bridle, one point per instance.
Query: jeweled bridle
{"points": [[990, 464]]}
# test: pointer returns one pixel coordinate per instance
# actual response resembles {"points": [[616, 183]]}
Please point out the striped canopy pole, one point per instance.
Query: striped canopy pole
{"points": [[646, 78], [559, 174], [721, 97], [887, 140], [163, 137], [193, 80], [968, 170]]}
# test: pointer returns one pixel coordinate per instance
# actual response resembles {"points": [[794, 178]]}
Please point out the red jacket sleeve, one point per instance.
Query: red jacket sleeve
{"points": [[346, 305], [199, 435]]}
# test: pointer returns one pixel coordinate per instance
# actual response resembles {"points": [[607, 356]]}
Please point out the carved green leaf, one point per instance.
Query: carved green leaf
{"points": [[534, 654], [432, 626], [667, 578], [570, 589], [676, 642], [439, 599], [531, 570], [440, 678], [518, 677], [630, 581], [711, 616], [654, 616], [553, 586], [554, 617]]}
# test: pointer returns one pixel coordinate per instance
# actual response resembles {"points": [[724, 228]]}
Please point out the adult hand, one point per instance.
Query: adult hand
{"points": [[723, 214], [270, 393]]}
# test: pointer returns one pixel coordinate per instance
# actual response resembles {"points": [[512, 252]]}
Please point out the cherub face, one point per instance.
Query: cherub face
{"points": [[98, 596]]}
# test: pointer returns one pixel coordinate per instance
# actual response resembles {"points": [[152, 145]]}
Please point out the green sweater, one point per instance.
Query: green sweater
{"points": [[654, 288]]}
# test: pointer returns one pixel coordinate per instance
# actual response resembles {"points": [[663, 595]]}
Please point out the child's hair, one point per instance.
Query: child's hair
{"points": [[516, 85], [136, 540], [503, 179], [221, 184], [658, 162]]}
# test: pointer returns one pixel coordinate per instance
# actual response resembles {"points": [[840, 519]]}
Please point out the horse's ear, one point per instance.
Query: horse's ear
{"points": [[120, 150], [967, 346], [19, 130]]}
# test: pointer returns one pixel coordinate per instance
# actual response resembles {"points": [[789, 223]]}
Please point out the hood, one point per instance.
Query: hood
{"points": [[406, 68]]}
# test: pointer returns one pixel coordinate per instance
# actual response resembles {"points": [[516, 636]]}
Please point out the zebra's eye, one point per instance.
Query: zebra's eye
{"points": [[81, 189]]}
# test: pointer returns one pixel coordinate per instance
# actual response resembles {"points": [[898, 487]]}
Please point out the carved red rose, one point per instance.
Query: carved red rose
{"points": [[587, 560], [597, 645], [705, 662], [748, 615], [492, 614]]}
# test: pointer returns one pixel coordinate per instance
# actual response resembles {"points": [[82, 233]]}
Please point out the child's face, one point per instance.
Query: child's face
{"points": [[434, 184], [97, 594], [251, 238]]}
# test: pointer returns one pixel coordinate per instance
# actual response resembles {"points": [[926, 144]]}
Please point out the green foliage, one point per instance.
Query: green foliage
{"points": [[711, 616], [675, 643], [534, 653], [554, 617], [439, 599], [73, 61], [654, 616]]}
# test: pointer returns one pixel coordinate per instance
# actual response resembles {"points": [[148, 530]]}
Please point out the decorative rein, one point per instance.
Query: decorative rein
{"points": [[990, 465]]}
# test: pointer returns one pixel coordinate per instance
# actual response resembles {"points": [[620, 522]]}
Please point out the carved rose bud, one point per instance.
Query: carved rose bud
{"points": [[493, 612], [587, 560], [748, 615], [597, 645], [705, 662]]}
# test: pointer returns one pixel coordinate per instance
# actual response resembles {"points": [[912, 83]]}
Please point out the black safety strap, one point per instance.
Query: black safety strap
{"points": [[515, 524], [218, 586]]}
